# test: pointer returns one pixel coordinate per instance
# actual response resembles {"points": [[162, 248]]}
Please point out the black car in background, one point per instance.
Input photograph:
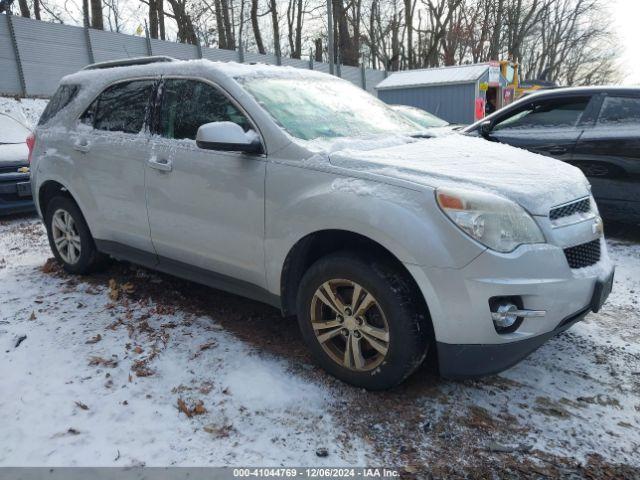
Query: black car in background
{"points": [[597, 129]]}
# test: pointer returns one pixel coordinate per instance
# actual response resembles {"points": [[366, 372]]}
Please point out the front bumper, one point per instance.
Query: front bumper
{"points": [[539, 275], [468, 361], [15, 193]]}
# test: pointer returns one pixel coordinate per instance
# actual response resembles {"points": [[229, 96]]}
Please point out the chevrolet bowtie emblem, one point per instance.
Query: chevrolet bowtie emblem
{"points": [[23, 170]]}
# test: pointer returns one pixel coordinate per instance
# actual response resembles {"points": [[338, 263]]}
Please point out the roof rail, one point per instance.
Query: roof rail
{"points": [[126, 62]]}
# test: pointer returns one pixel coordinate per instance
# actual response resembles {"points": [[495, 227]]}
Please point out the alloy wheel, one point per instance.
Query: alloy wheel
{"points": [[65, 236], [350, 325]]}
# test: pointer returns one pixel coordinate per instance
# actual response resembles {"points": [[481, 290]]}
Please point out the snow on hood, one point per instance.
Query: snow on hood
{"points": [[534, 181], [14, 153]]}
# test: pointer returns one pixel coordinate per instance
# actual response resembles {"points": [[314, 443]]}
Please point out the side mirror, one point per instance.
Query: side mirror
{"points": [[485, 128], [227, 137]]}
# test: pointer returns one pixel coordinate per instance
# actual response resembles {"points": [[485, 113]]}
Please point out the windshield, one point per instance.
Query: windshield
{"points": [[421, 117], [311, 108]]}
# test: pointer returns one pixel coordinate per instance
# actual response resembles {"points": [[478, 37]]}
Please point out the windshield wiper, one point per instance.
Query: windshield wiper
{"points": [[421, 135]]}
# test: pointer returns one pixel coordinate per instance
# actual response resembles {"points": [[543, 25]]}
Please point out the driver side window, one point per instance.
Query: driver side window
{"points": [[549, 114], [188, 104]]}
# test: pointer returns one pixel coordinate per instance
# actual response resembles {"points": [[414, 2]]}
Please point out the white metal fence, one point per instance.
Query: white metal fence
{"points": [[35, 55]]}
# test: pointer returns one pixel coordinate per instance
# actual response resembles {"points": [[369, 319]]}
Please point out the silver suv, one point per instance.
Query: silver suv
{"points": [[301, 190]]}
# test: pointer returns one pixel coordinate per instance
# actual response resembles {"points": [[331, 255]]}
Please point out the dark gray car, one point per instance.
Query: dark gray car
{"points": [[597, 129]]}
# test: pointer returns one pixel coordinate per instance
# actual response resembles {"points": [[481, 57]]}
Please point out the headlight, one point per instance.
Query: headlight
{"points": [[492, 220]]}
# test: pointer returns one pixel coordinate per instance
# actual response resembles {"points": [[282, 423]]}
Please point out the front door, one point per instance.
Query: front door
{"points": [[206, 207], [110, 151], [609, 155]]}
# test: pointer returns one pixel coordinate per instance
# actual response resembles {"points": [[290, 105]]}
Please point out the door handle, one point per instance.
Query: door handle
{"points": [[82, 146], [162, 164]]}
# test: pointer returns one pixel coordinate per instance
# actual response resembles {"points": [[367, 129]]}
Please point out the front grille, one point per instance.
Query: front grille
{"points": [[581, 206], [583, 255], [12, 167]]}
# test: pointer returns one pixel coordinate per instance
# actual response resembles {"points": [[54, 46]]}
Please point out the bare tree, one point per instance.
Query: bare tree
{"points": [[255, 24], [97, 20], [24, 8], [275, 25]]}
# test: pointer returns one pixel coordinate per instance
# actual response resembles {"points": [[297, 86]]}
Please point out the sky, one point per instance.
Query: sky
{"points": [[626, 17]]}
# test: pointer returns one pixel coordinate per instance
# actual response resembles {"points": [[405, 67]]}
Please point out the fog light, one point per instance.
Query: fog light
{"points": [[507, 313], [505, 316]]}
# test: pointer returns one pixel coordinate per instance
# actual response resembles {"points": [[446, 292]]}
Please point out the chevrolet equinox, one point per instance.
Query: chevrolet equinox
{"points": [[303, 191]]}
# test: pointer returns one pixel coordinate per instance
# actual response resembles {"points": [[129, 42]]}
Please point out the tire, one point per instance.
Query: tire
{"points": [[87, 258], [395, 316]]}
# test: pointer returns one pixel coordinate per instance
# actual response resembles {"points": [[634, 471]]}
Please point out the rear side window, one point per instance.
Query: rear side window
{"points": [[620, 110], [123, 107], [60, 99], [188, 104], [550, 114]]}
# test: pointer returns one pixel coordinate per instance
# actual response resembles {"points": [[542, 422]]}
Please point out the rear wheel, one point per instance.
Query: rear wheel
{"points": [[362, 321], [69, 236]]}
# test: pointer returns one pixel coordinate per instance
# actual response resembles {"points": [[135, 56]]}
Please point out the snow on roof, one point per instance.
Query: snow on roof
{"points": [[432, 76], [190, 67]]}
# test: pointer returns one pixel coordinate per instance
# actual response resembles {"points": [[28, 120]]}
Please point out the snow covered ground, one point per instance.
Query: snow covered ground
{"points": [[129, 367]]}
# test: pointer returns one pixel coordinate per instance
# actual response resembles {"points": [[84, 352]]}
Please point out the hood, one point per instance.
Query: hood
{"points": [[13, 153], [535, 182]]}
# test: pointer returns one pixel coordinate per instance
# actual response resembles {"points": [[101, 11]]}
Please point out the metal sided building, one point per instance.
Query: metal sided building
{"points": [[456, 94]]}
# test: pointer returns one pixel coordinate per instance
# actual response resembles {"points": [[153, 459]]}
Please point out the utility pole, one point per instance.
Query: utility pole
{"points": [[330, 35]]}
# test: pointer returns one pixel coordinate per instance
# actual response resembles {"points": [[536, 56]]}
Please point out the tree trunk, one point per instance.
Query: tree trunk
{"points": [[256, 26], [97, 20], [347, 46], [24, 8], [318, 49], [494, 46], [222, 36], [228, 27], [153, 19], [85, 12], [186, 31], [160, 9], [276, 29], [36, 9], [298, 42]]}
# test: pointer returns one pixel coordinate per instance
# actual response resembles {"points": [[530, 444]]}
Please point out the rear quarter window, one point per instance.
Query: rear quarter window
{"points": [[122, 107], [60, 99]]}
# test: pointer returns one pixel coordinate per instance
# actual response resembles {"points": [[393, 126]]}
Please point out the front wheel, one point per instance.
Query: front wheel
{"points": [[362, 320], [69, 236]]}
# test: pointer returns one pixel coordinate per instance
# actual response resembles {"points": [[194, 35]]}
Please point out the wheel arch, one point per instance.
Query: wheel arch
{"points": [[314, 246], [50, 189]]}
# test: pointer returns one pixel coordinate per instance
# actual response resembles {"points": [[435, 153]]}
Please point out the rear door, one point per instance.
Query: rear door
{"points": [[206, 207], [550, 127], [609, 155], [110, 148]]}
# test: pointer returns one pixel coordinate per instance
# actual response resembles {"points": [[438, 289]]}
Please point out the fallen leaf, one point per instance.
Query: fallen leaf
{"points": [[208, 345], [128, 288], [182, 406], [94, 339], [114, 293], [49, 266], [197, 409], [103, 362], [81, 405], [32, 316]]}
